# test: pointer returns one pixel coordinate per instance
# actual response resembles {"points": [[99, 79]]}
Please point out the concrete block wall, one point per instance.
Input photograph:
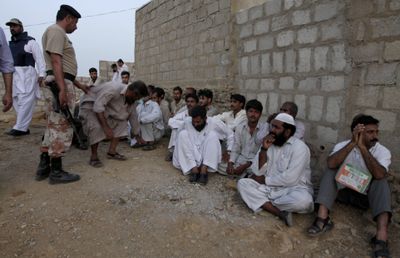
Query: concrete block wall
{"points": [[374, 47], [106, 73], [296, 51], [185, 43]]}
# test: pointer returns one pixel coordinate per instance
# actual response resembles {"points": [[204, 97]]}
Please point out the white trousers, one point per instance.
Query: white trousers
{"points": [[150, 133], [291, 199], [24, 105], [187, 155]]}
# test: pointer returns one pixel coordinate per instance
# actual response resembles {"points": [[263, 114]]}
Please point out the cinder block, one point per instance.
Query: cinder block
{"points": [[308, 84], [277, 62], [387, 119], [392, 50], [367, 96], [290, 3], [213, 7], [366, 53], [316, 105], [326, 11], [261, 27], [394, 5], [327, 135], [286, 83], [244, 65], [290, 61], [304, 64], [262, 97], [338, 61], [391, 97], [383, 27], [333, 109], [266, 42], [279, 22], [307, 35], [301, 17], [267, 84], [285, 38], [246, 30], [320, 58], [300, 101], [250, 45], [256, 12], [252, 84], [273, 7], [381, 74], [265, 63], [273, 102], [242, 17], [332, 83], [255, 64]]}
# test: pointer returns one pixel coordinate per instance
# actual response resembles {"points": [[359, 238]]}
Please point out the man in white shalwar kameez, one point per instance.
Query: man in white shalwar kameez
{"points": [[26, 80], [236, 115], [282, 181], [198, 149], [177, 122]]}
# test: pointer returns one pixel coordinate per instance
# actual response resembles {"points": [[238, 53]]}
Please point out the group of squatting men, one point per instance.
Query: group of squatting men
{"points": [[270, 160]]}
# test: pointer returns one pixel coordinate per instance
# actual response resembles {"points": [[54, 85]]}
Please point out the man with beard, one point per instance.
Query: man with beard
{"points": [[94, 79], [244, 146], [198, 148], [178, 103], [363, 152], [281, 183], [26, 81], [105, 110], [177, 122]]}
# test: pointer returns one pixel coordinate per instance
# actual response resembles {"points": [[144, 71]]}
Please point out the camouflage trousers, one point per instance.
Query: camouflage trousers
{"points": [[58, 134]]}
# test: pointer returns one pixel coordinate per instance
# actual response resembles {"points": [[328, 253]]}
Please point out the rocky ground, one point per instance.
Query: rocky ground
{"points": [[143, 207]]}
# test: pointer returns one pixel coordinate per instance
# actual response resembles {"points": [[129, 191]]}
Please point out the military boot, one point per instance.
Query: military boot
{"points": [[58, 175], [43, 169]]}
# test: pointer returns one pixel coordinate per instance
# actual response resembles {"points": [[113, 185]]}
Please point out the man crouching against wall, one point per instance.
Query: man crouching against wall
{"points": [[282, 176]]}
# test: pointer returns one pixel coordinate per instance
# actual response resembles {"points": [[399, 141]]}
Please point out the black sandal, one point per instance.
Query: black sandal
{"points": [[380, 248], [316, 229]]}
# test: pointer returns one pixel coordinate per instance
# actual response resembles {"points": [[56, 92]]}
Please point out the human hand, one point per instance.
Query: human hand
{"points": [[40, 81], [268, 141], [357, 132], [108, 132], [229, 168], [62, 96], [7, 102]]}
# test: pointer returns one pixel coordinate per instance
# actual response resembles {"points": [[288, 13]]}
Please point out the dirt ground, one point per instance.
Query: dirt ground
{"points": [[143, 207]]}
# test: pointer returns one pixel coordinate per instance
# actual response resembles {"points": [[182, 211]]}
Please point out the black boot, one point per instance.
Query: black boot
{"points": [[43, 169], [58, 175]]}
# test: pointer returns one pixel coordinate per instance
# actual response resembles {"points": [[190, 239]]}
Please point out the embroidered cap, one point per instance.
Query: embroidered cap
{"points": [[286, 118], [14, 21]]}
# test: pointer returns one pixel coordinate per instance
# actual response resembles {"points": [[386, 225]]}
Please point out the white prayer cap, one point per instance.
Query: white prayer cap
{"points": [[286, 118]]}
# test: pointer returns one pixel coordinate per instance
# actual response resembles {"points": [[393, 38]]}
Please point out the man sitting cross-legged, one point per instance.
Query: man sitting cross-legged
{"points": [[244, 146], [365, 153], [198, 149], [236, 115], [282, 181]]}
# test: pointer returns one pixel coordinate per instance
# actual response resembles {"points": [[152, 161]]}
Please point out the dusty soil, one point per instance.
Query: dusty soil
{"points": [[143, 207]]}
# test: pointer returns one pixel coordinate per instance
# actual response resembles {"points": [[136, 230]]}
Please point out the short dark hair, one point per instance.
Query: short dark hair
{"points": [[178, 89], [91, 70], [125, 73], [159, 92], [198, 111], [139, 87], [114, 65], [239, 98], [254, 104], [192, 89], [193, 96], [120, 61], [363, 119], [293, 107], [206, 93]]}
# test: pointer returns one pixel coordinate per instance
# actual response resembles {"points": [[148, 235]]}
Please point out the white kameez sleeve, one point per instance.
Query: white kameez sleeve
{"points": [[34, 48]]}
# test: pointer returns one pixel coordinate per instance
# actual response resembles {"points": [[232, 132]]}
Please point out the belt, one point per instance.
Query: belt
{"points": [[67, 76]]}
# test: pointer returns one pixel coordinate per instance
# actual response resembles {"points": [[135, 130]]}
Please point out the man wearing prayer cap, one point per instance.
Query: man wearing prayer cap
{"points": [[281, 183], [61, 70]]}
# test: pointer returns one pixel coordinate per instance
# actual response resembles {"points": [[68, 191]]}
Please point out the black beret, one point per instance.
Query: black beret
{"points": [[70, 10]]}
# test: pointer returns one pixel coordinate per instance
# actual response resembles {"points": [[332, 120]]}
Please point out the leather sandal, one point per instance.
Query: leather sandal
{"points": [[320, 226], [380, 248], [116, 156], [95, 163]]}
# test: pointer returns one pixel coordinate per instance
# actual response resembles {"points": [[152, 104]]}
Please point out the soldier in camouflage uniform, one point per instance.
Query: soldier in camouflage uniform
{"points": [[61, 69]]}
